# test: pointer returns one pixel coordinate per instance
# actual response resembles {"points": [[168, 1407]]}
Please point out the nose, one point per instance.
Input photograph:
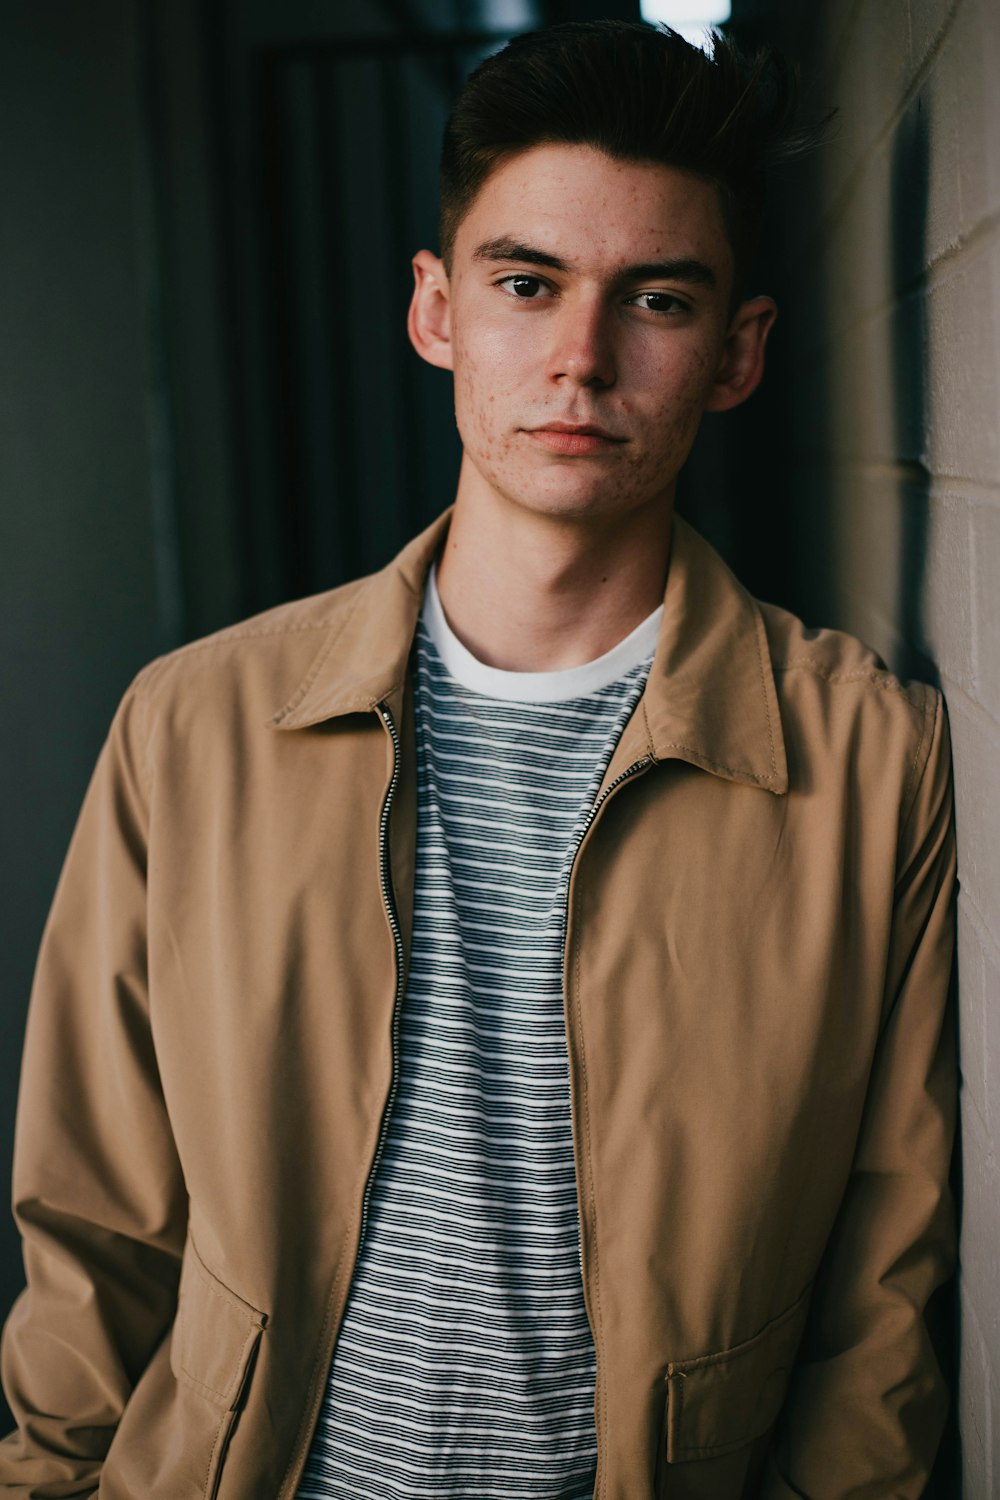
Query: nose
{"points": [[582, 348]]}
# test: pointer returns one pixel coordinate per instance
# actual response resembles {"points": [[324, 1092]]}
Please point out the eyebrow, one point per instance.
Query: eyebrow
{"points": [[684, 268]]}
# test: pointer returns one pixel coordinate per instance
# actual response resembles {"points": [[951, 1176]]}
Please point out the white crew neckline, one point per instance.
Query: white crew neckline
{"points": [[535, 687]]}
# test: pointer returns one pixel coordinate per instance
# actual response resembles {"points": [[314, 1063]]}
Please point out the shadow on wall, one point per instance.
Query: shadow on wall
{"points": [[759, 482], [908, 230], [910, 181]]}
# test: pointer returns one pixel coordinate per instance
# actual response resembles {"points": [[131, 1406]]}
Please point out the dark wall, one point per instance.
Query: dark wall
{"points": [[82, 580]]}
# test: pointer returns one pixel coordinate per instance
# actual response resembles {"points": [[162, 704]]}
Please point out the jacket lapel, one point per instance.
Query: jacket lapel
{"points": [[364, 655], [711, 698]]}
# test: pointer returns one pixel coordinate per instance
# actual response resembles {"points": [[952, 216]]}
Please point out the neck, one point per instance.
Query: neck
{"points": [[531, 592]]}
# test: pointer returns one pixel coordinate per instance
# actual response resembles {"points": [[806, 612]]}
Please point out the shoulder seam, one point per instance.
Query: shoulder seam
{"points": [[159, 664], [884, 680]]}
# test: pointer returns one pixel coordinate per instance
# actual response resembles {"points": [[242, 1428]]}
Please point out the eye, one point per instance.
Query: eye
{"points": [[659, 302], [525, 288]]}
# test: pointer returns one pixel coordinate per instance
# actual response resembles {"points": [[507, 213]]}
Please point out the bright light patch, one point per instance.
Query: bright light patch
{"points": [[692, 18], [511, 15]]}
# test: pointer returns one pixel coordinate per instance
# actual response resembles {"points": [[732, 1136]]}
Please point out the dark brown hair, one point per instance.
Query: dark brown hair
{"points": [[636, 92]]}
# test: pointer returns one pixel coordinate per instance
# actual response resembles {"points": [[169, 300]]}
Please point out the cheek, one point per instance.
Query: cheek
{"points": [[496, 357], [685, 385], [489, 377]]}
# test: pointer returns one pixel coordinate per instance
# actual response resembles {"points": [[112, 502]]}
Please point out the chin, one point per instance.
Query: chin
{"points": [[569, 507], [570, 495]]}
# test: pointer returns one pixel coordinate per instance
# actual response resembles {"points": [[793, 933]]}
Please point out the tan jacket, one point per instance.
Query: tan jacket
{"points": [[757, 959]]}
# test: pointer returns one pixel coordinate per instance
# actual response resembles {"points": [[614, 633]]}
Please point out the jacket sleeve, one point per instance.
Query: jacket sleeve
{"points": [[98, 1192], [866, 1402]]}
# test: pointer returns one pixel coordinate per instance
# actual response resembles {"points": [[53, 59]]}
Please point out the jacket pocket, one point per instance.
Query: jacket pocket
{"points": [[724, 1401], [213, 1349]]}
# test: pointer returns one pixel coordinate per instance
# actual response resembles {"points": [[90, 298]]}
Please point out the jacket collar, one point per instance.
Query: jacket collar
{"points": [[365, 653], [710, 698]]}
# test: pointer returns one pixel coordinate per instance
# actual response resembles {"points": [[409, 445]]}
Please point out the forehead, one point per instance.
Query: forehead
{"points": [[582, 204]]}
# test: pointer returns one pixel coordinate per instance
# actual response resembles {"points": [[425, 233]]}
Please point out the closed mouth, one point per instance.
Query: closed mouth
{"points": [[580, 429]]}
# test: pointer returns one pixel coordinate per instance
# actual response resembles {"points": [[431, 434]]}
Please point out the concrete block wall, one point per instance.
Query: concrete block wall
{"points": [[891, 465]]}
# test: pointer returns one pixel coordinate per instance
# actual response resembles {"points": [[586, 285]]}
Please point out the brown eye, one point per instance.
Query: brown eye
{"points": [[524, 287], [660, 302]]}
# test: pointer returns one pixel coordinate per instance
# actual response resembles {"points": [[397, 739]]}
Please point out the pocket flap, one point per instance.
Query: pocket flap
{"points": [[723, 1401], [215, 1333]]}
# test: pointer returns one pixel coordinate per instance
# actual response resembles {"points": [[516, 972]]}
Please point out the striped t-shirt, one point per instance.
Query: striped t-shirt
{"points": [[464, 1367]]}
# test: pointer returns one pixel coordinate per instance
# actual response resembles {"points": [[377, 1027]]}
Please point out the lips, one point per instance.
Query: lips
{"points": [[574, 438]]}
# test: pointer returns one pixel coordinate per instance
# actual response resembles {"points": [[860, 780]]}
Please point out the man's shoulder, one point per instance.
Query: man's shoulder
{"points": [[842, 707], [815, 679], [325, 653], [276, 642], [841, 662]]}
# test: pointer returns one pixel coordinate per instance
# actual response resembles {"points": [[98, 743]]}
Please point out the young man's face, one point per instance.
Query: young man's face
{"points": [[586, 320]]}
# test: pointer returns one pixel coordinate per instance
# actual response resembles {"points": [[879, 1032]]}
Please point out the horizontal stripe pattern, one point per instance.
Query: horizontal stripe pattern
{"points": [[464, 1367]]}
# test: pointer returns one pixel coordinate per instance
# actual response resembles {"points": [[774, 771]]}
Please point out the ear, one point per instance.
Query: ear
{"points": [[429, 320], [741, 364]]}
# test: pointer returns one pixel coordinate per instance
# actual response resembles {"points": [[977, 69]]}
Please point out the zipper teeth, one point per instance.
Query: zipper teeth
{"points": [[390, 911], [388, 902], [637, 765], [632, 770]]}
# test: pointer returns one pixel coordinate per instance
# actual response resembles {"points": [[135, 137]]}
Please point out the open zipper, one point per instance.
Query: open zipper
{"points": [[389, 902], [635, 769]]}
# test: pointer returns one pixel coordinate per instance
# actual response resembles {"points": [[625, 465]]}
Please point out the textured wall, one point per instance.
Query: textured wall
{"points": [[889, 462]]}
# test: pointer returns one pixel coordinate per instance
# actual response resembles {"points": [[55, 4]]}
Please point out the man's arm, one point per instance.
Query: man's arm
{"points": [[866, 1401], [98, 1191]]}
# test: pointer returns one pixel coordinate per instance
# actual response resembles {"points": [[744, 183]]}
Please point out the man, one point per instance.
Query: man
{"points": [[489, 1036]]}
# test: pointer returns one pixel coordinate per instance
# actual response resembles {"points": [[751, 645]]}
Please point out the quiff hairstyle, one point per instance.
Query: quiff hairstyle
{"points": [[636, 92]]}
